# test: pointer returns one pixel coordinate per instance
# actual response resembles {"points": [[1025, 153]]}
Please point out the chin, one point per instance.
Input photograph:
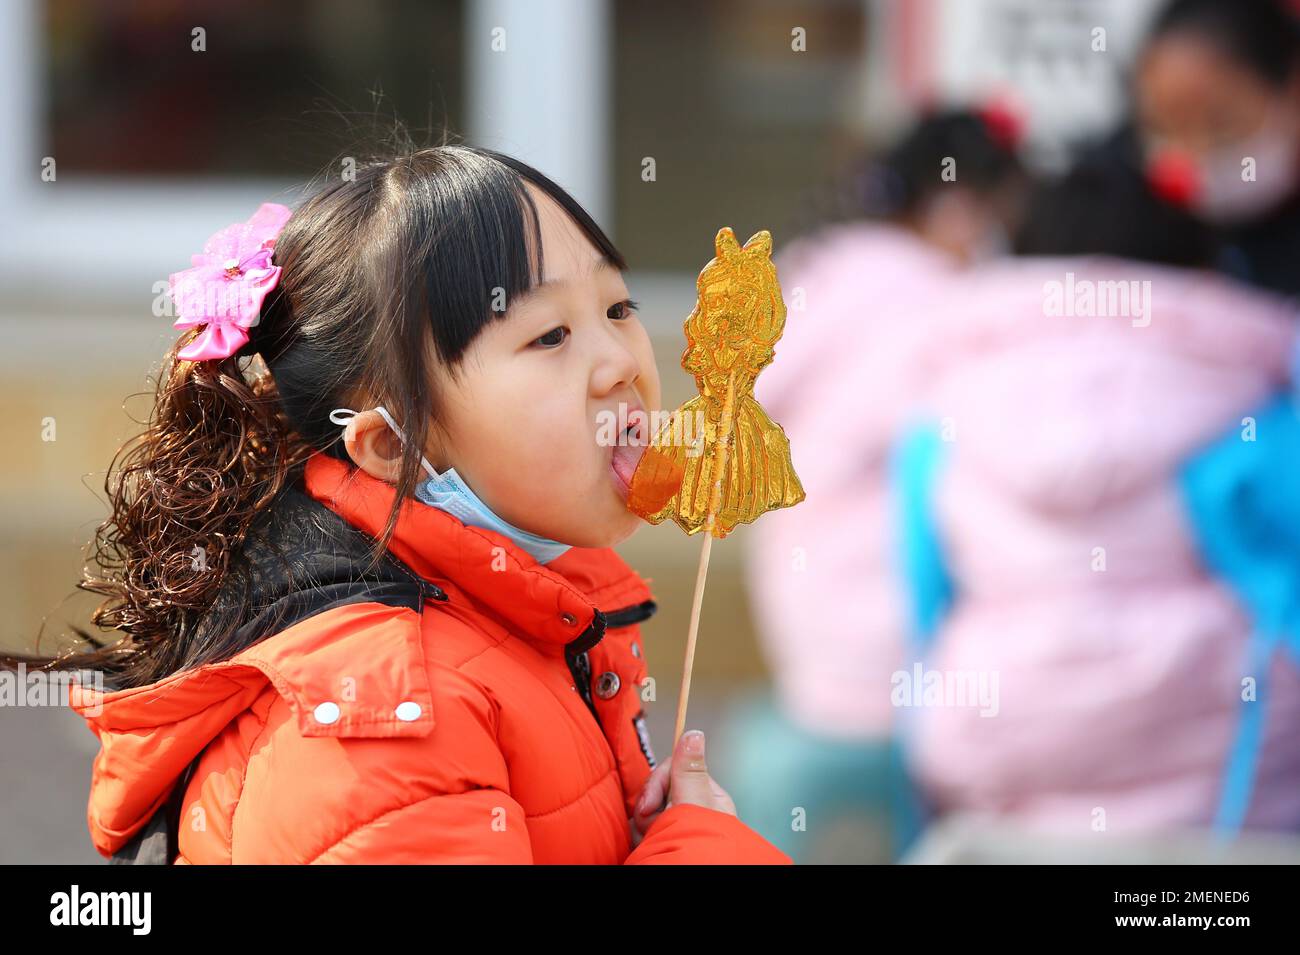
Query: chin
{"points": [[631, 524], [609, 529]]}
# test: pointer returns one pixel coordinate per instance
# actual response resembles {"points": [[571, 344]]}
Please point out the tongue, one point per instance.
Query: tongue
{"points": [[626, 457]]}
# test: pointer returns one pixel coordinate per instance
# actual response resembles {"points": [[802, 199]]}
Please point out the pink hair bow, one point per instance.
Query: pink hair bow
{"points": [[225, 288]]}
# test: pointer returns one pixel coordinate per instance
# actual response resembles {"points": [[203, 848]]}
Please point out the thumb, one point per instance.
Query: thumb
{"points": [[690, 772]]}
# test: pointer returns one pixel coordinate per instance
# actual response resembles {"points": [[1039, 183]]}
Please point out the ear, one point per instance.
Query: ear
{"points": [[372, 445], [725, 244], [759, 245]]}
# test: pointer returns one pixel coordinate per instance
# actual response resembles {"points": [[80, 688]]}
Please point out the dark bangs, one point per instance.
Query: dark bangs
{"points": [[476, 238]]}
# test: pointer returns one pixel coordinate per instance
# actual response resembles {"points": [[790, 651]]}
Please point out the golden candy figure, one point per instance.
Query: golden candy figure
{"points": [[730, 334], [720, 460]]}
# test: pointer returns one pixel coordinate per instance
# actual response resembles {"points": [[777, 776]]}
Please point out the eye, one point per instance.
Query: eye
{"points": [[621, 310], [550, 339]]}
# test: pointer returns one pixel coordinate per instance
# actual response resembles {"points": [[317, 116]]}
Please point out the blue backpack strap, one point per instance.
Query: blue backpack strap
{"points": [[915, 465], [916, 461], [1243, 757], [1243, 502]]}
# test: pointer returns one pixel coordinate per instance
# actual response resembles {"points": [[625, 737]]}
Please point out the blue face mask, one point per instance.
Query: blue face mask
{"points": [[448, 492]]}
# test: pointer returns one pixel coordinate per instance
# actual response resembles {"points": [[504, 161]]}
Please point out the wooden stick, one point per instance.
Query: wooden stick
{"points": [[715, 504], [696, 603]]}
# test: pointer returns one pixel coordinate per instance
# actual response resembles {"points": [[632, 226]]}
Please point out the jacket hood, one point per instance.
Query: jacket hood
{"points": [[1065, 405], [309, 618]]}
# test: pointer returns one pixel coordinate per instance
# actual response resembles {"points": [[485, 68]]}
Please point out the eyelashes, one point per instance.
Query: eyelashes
{"points": [[627, 305], [626, 309], [543, 340]]}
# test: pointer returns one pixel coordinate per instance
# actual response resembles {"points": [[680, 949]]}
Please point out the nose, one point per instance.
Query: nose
{"points": [[617, 367]]}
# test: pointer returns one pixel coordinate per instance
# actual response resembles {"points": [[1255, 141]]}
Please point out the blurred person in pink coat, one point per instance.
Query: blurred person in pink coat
{"points": [[1082, 566], [1019, 515]]}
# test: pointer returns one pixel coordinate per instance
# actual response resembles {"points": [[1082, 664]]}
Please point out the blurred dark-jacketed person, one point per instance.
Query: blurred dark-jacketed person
{"points": [[1216, 128]]}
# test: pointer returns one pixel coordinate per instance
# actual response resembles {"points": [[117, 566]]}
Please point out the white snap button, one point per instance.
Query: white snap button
{"points": [[636, 649], [327, 712], [408, 711]]}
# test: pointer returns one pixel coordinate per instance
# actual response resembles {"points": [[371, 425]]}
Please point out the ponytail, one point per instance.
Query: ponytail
{"points": [[183, 495]]}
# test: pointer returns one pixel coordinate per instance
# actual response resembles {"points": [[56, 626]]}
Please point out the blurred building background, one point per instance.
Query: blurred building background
{"points": [[125, 147]]}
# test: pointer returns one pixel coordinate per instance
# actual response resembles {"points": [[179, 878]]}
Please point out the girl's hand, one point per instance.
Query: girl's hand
{"points": [[684, 779]]}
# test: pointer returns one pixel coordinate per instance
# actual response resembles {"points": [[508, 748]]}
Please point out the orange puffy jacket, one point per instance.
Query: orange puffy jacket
{"points": [[470, 705]]}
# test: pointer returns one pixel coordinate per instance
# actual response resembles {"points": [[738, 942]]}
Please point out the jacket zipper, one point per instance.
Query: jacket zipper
{"points": [[575, 655], [575, 652]]}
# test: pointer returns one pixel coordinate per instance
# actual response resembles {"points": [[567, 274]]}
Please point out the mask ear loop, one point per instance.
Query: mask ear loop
{"points": [[335, 416]]}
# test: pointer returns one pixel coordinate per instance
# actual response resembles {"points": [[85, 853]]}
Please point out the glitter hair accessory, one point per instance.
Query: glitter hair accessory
{"points": [[224, 289]]}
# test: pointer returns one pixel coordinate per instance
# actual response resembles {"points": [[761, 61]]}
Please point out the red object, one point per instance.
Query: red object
{"points": [[1173, 177], [369, 733], [1004, 123]]}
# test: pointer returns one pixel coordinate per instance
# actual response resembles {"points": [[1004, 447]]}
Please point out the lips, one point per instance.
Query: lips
{"points": [[625, 455]]}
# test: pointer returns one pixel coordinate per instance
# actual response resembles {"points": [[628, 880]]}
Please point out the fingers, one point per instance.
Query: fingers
{"points": [[683, 779], [654, 793], [690, 781], [724, 800]]}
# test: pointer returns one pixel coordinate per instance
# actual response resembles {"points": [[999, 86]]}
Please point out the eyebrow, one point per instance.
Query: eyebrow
{"points": [[601, 264]]}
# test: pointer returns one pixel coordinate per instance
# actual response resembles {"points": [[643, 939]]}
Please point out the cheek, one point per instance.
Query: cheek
{"points": [[648, 386], [1242, 111], [543, 456]]}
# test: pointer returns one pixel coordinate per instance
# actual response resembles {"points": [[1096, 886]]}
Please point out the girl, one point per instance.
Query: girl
{"points": [[398, 633]]}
